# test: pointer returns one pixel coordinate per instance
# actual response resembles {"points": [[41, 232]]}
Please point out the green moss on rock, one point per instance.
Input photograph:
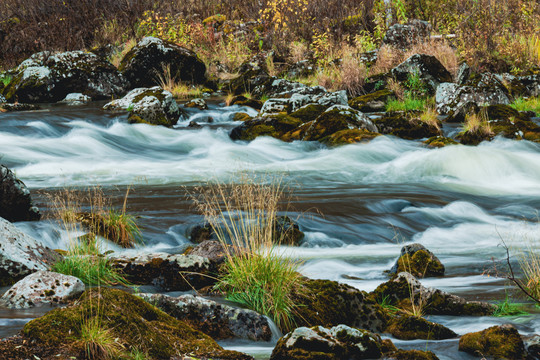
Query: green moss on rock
{"points": [[440, 141], [241, 117], [349, 136], [133, 321], [406, 125], [498, 342], [309, 112], [412, 355], [420, 264], [408, 327], [372, 102], [275, 126]]}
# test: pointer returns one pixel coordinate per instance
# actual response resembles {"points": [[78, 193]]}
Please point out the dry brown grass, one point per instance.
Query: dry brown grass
{"points": [[387, 59], [429, 116], [478, 123], [298, 51]]}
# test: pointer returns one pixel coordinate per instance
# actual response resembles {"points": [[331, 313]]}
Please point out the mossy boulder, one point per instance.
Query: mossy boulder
{"points": [[337, 118], [309, 112], [409, 327], [412, 355], [418, 261], [400, 290], [241, 116], [406, 125], [497, 342], [319, 343], [241, 100], [197, 103], [152, 58], [153, 106], [403, 36], [352, 136], [275, 126], [49, 77], [504, 112], [329, 303], [247, 81], [372, 102], [132, 321], [440, 141]]}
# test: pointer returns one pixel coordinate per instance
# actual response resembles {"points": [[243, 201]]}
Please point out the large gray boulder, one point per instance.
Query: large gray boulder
{"points": [[21, 255], [166, 271], [217, 320], [148, 105], [339, 342], [40, 288], [49, 77], [428, 68], [403, 36], [151, 58], [15, 201]]}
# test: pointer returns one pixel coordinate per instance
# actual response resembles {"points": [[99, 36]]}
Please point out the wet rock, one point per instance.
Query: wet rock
{"points": [[329, 303], [153, 106], [411, 355], [193, 124], [337, 118], [197, 103], [40, 288], [339, 342], [241, 117], [210, 249], [431, 73], [408, 327], [485, 90], [275, 126], [399, 291], [418, 261], [49, 77], [132, 321], [373, 102], [406, 125], [166, 271], [9, 107], [216, 320], [352, 136], [532, 346], [440, 141], [76, 99], [15, 200], [241, 100], [21, 255], [499, 342], [201, 232], [404, 36], [152, 58], [286, 232]]}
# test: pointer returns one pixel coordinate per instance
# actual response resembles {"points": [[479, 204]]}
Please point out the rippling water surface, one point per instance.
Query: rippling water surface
{"points": [[370, 199]]}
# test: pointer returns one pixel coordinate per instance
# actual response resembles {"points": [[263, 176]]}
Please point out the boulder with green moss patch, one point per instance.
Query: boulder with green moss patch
{"points": [[418, 261], [372, 102], [353, 136], [275, 126], [49, 77], [153, 58], [153, 106], [309, 112], [429, 70], [409, 327], [132, 321], [497, 342], [319, 343], [241, 116], [404, 288], [241, 100], [329, 303], [406, 125], [440, 141]]}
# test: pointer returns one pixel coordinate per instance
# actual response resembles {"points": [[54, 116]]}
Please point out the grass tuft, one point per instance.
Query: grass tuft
{"points": [[530, 104], [407, 104], [478, 123], [98, 342], [508, 308], [256, 275]]}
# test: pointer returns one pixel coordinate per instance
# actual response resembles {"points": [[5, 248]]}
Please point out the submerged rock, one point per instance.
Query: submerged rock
{"points": [[21, 255], [440, 141], [329, 303], [418, 261], [132, 321], [148, 105], [40, 288], [400, 290], [166, 271], [337, 343], [153, 58], [408, 327], [499, 342], [216, 320], [15, 200], [49, 77]]}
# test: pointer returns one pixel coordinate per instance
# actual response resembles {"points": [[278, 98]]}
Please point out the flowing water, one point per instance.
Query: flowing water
{"points": [[358, 203]]}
